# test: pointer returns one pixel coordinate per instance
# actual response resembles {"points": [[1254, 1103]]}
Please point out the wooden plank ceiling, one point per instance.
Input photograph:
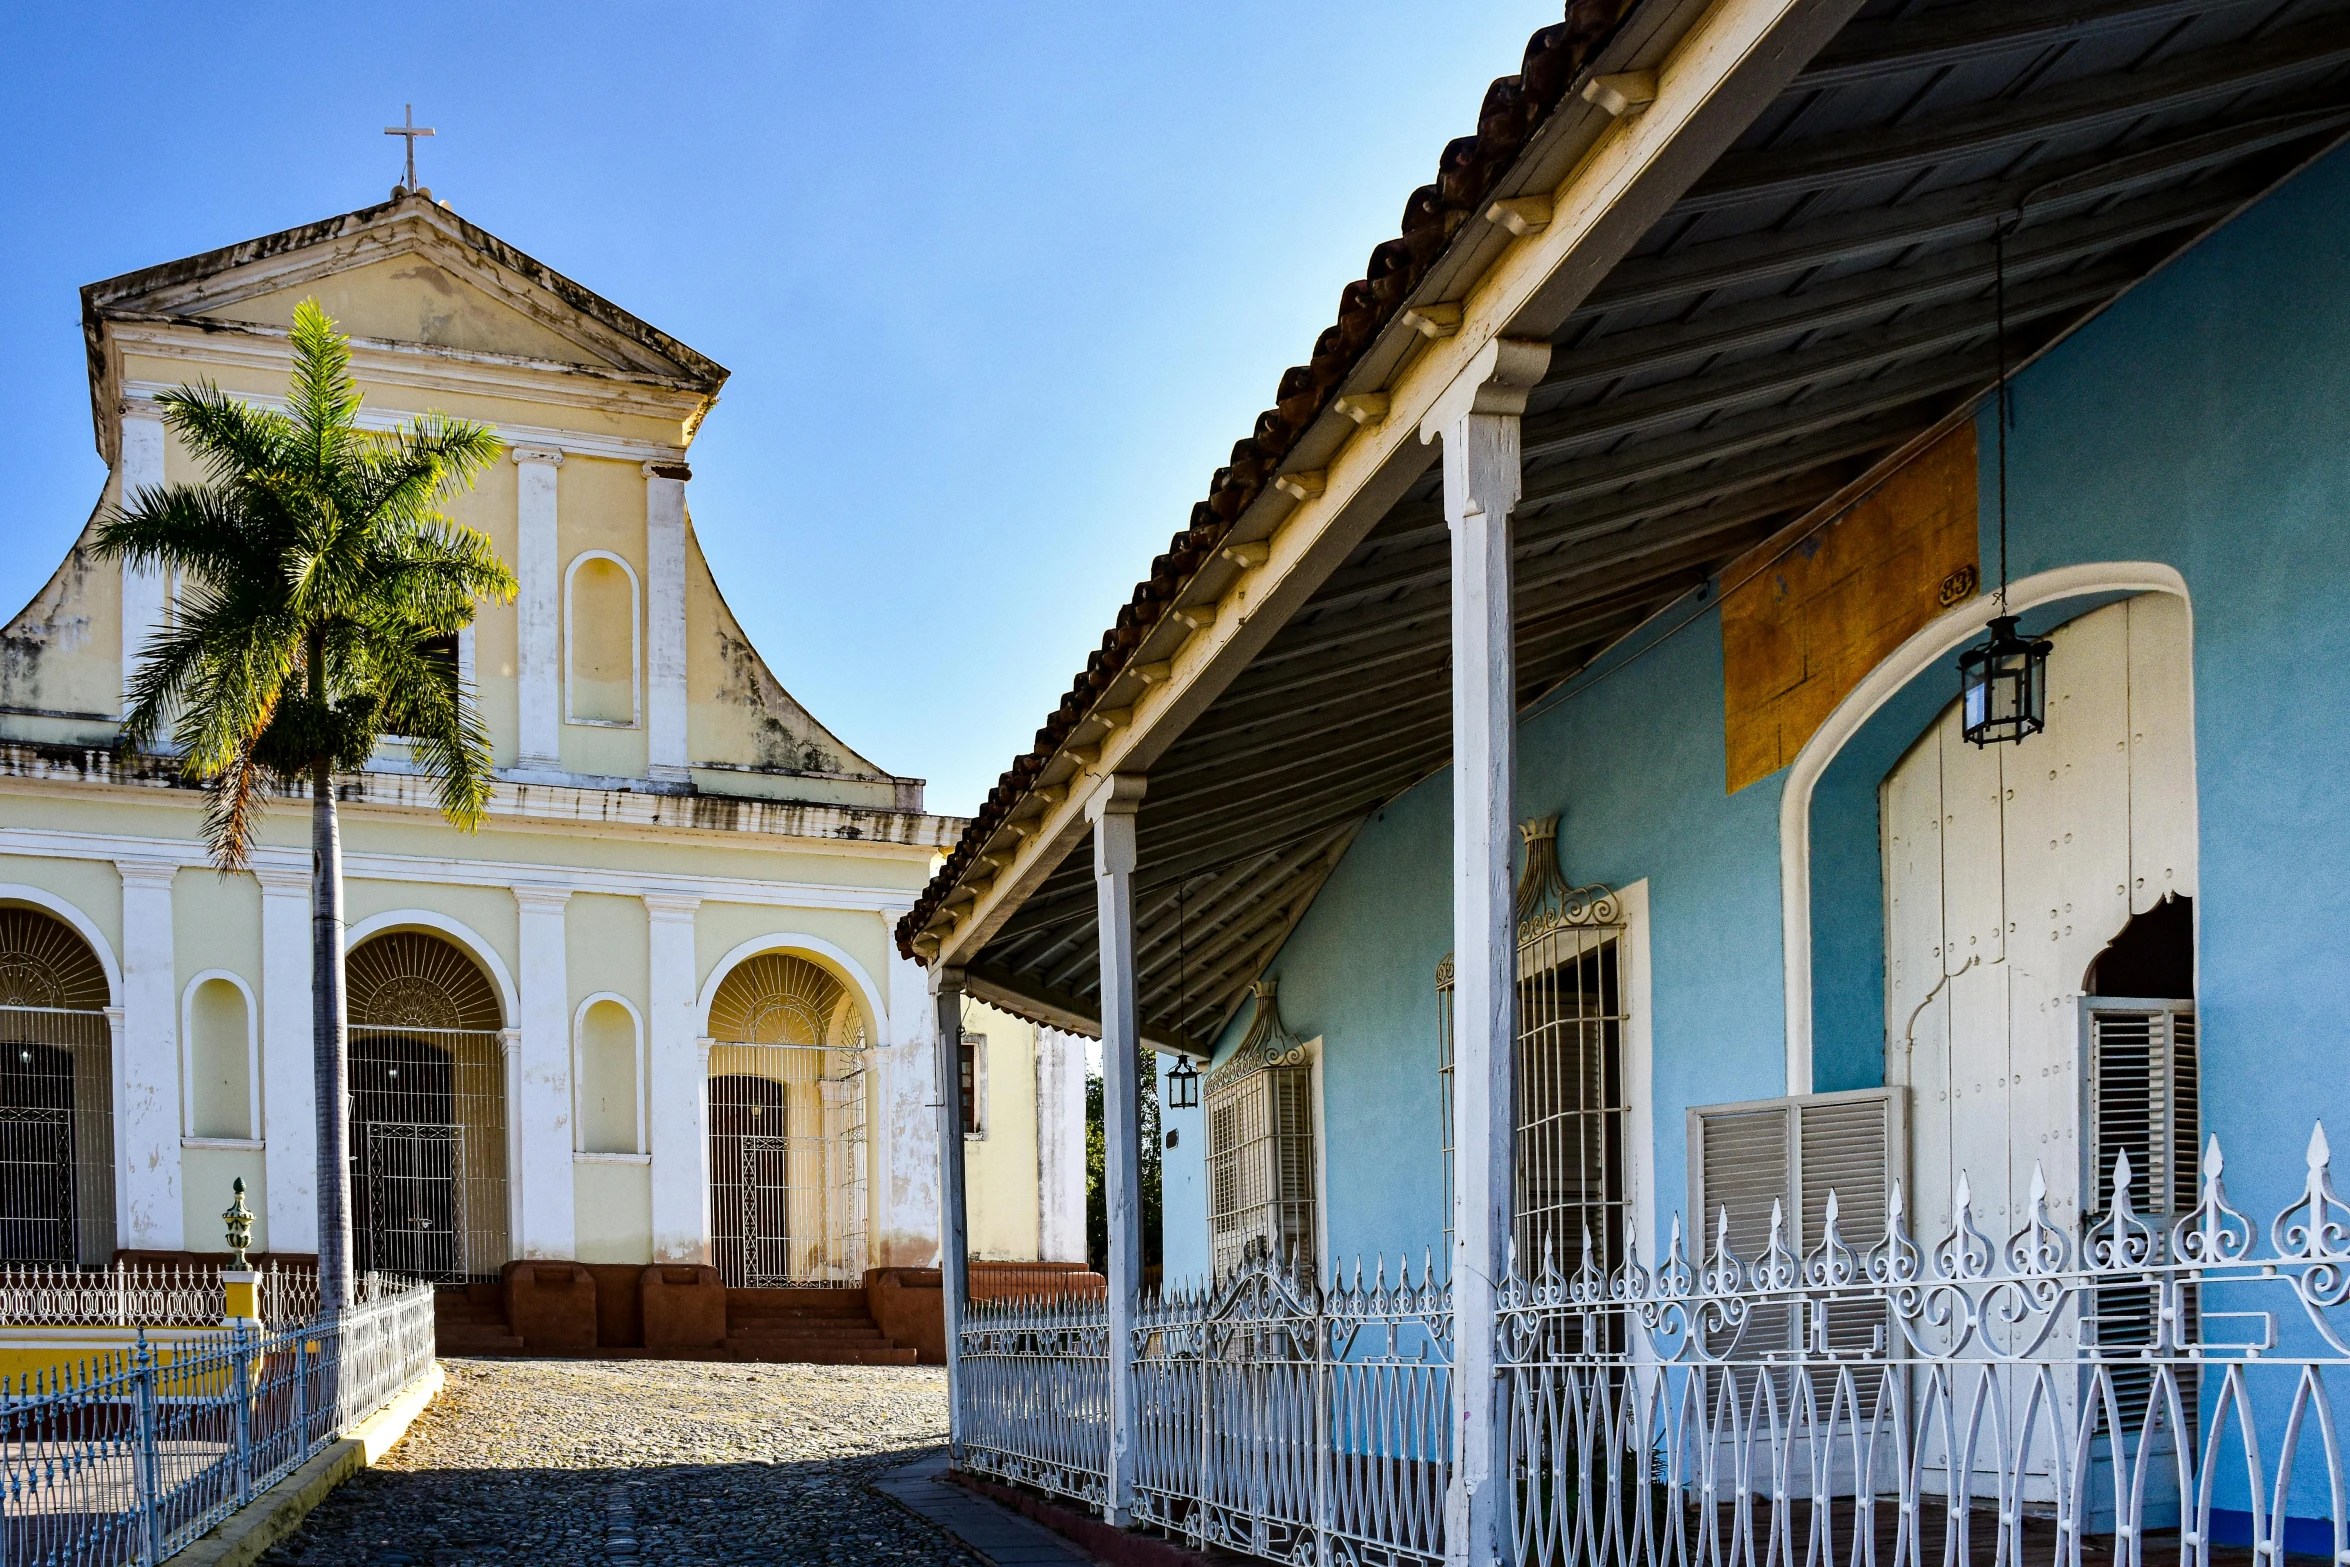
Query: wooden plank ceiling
{"points": [[1820, 298]]}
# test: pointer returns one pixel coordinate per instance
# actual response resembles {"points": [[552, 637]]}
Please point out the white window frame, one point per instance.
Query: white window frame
{"points": [[579, 1154], [188, 1137], [636, 644], [978, 1044]]}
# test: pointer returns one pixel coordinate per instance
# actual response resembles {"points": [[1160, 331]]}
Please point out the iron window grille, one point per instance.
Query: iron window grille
{"points": [[1260, 1113], [1569, 1106]]}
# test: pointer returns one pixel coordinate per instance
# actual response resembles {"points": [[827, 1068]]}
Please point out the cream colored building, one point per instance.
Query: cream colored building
{"points": [[651, 1011]]}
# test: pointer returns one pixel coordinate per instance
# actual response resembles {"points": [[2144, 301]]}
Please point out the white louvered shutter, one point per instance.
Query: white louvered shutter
{"points": [[1794, 1151], [2143, 1101]]}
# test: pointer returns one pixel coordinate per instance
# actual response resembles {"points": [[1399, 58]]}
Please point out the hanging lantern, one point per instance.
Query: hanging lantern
{"points": [[1183, 1085], [2003, 682]]}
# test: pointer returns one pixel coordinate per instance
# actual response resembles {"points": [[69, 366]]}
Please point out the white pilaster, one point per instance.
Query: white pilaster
{"points": [[538, 606], [542, 1102], [677, 1086], [147, 1065], [1477, 419], [1112, 810], [665, 695], [289, 1107], [954, 1256], [145, 591], [906, 1176], [1060, 1146]]}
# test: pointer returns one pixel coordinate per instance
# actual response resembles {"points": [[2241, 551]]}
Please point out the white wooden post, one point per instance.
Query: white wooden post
{"points": [[1477, 419], [954, 1262], [538, 609], [541, 1108], [1111, 810]]}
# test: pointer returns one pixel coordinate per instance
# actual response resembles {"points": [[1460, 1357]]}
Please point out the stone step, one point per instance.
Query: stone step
{"points": [[821, 1352]]}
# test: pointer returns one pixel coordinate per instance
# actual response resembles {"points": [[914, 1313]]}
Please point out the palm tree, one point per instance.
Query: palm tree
{"points": [[320, 588]]}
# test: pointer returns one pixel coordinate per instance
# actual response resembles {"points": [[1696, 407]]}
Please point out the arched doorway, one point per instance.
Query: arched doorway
{"points": [[428, 1111], [56, 1095], [2008, 870], [787, 1126]]}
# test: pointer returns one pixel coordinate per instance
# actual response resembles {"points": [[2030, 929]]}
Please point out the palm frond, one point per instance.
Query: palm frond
{"points": [[231, 438], [441, 721], [184, 527], [324, 397]]}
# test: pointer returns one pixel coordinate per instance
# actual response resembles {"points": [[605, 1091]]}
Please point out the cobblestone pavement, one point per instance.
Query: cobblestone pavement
{"points": [[674, 1463]]}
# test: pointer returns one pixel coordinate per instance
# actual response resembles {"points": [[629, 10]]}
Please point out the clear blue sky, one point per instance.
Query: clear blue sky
{"points": [[999, 285]]}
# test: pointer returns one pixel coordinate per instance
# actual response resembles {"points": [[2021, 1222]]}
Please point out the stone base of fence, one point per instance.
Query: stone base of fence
{"points": [[277, 1512]]}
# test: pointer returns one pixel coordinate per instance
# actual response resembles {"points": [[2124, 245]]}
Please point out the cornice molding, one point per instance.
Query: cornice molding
{"points": [[288, 868], [139, 402], [681, 818]]}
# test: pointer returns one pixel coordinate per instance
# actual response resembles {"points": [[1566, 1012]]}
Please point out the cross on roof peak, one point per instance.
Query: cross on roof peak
{"points": [[410, 129]]}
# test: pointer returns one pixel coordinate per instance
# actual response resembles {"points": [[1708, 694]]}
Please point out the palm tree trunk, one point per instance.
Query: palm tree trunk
{"points": [[330, 1062]]}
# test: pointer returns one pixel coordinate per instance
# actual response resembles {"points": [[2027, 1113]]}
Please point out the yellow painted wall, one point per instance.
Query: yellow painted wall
{"points": [[487, 911], [614, 1203], [412, 299], [999, 1164], [719, 928], [91, 886], [208, 1185]]}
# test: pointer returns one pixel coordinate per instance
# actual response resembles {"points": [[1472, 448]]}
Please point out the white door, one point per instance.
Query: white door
{"points": [[2007, 870]]}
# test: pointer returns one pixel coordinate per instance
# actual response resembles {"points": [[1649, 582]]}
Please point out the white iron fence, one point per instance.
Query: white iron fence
{"points": [[1279, 1418], [128, 1457], [2119, 1392], [154, 1295]]}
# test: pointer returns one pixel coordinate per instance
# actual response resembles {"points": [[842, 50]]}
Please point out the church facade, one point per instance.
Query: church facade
{"points": [[650, 1012]]}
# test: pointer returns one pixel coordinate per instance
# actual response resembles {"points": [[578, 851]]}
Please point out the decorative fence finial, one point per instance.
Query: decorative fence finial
{"points": [[239, 1219]]}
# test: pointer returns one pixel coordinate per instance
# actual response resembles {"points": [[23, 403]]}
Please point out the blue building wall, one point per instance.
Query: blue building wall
{"points": [[2203, 422]]}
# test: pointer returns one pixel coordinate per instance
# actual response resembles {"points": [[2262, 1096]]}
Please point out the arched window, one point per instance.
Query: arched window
{"points": [[787, 1126], [602, 642], [219, 1038], [428, 1110], [610, 1114], [56, 1094]]}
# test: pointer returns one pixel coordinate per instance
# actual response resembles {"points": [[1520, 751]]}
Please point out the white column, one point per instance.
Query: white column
{"points": [[1060, 1146], [1111, 810], [289, 1106], [147, 1065], [145, 592], [1477, 419], [665, 696], [954, 1255], [538, 608], [542, 1105], [677, 1086]]}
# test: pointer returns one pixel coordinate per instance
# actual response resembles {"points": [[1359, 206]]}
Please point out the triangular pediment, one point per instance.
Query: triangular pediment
{"points": [[410, 272]]}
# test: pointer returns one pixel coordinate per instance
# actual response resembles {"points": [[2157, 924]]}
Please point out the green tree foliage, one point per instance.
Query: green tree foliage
{"points": [[321, 591], [318, 580], [1097, 1211]]}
